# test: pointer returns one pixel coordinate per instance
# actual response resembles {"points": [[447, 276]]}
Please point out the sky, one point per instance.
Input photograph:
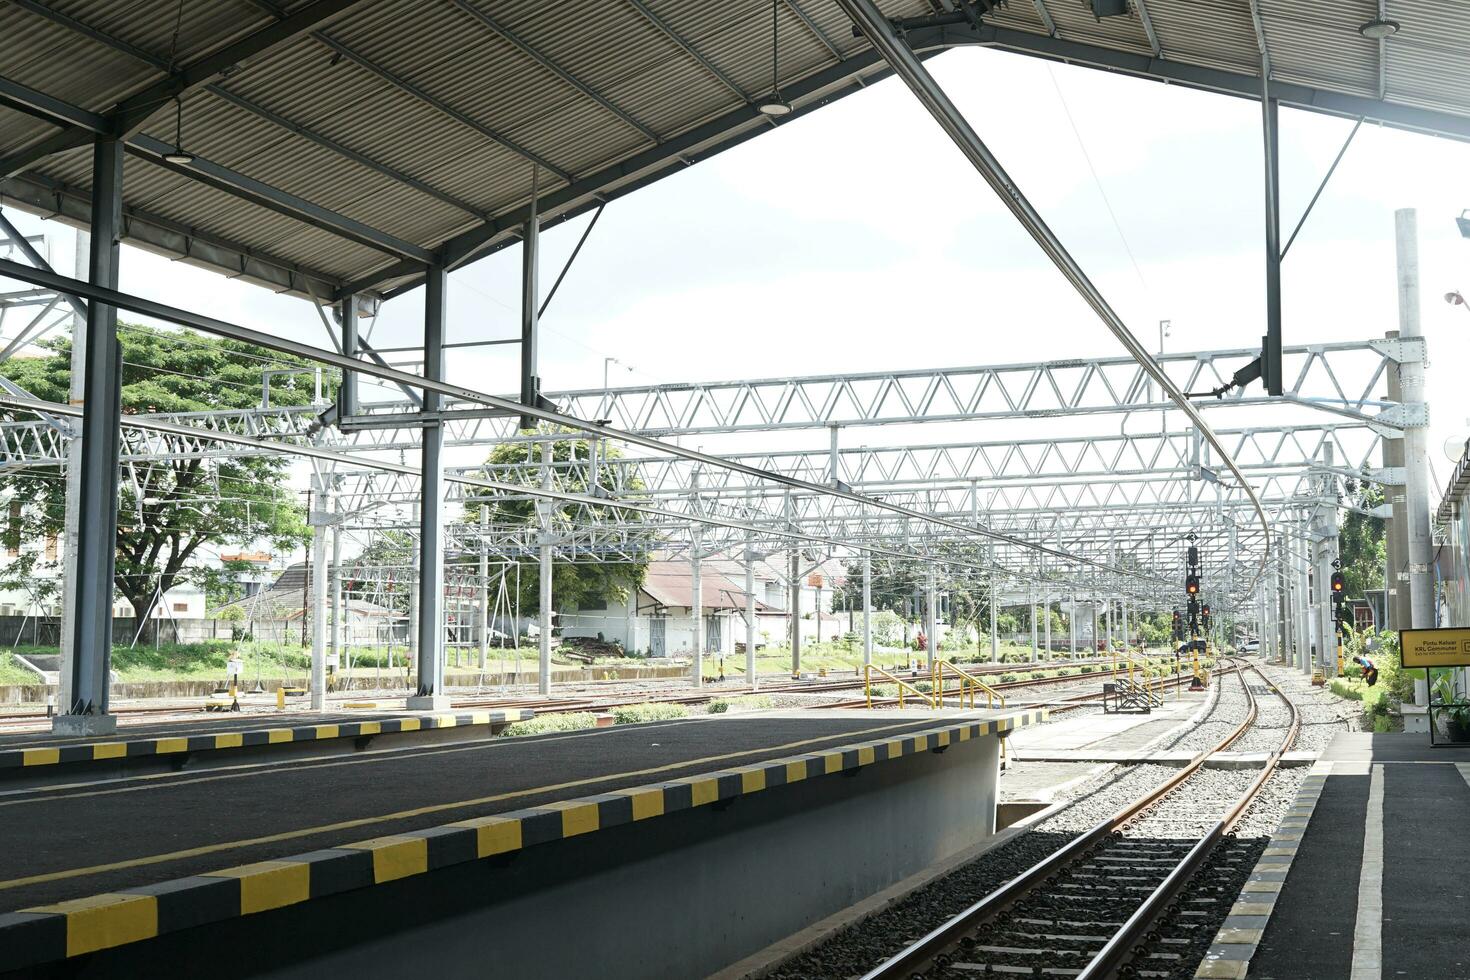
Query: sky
{"points": [[857, 238]]}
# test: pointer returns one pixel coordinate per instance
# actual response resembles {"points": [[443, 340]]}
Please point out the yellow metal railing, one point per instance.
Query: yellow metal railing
{"points": [[870, 669], [969, 686]]}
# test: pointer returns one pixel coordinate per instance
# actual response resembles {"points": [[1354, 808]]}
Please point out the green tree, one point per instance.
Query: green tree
{"points": [[1360, 543], [520, 463], [170, 508], [382, 572]]}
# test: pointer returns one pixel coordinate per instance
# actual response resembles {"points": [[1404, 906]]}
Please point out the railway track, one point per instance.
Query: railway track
{"points": [[604, 701], [1092, 908]]}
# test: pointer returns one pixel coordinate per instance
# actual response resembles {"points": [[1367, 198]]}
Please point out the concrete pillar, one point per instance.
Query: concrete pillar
{"points": [[430, 695], [530, 306], [1072, 628], [1108, 625], [90, 605], [1417, 490]]}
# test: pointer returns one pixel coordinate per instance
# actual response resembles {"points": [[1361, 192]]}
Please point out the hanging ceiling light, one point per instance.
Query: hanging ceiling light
{"points": [[1379, 28], [773, 104], [178, 154]]}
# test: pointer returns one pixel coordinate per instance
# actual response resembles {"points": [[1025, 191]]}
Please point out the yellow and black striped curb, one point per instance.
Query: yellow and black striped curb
{"points": [[85, 925], [181, 744], [1229, 956]]}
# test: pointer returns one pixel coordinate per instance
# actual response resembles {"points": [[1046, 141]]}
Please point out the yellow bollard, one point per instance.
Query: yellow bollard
{"points": [[280, 699]]}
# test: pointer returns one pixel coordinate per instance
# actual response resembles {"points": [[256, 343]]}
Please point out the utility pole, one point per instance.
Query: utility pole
{"points": [[750, 672], [867, 608], [1416, 432], [546, 570]]}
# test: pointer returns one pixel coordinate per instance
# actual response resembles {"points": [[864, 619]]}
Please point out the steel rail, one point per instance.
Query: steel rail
{"points": [[918, 955], [907, 66], [223, 328], [1123, 943]]}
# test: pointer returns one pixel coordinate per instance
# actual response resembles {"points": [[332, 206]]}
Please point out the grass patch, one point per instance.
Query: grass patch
{"points": [[12, 672]]}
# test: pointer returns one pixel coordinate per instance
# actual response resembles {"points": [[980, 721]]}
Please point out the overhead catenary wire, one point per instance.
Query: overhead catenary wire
{"points": [[208, 324], [906, 65]]}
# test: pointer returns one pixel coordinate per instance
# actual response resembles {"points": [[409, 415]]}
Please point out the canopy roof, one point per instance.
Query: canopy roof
{"points": [[340, 145]]}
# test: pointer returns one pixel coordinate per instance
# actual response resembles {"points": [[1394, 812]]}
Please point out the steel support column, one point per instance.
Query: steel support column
{"points": [[1324, 539], [90, 606], [347, 403], [696, 607], [867, 608], [1395, 531], [1072, 628], [994, 632], [546, 571], [530, 308], [318, 574], [335, 584], [750, 638], [1271, 368], [430, 694], [931, 614], [484, 637], [1033, 622], [796, 613], [1416, 433], [77, 392]]}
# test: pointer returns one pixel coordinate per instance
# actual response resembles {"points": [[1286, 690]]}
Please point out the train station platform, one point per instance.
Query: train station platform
{"points": [[1368, 875], [36, 758], [436, 857]]}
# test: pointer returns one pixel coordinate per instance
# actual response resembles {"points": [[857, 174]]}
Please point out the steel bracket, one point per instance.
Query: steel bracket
{"points": [[1402, 350]]}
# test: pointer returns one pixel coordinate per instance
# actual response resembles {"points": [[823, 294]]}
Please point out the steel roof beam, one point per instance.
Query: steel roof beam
{"points": [[326, 142], [72, 205], [812, 26], [273, 198], [222, 178], [546, 62], [1431, 121], [688, 48], [404, 85]]}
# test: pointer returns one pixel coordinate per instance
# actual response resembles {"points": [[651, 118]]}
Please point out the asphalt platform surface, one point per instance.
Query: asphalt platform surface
{"points": [[1426, 867], [92, 837]]}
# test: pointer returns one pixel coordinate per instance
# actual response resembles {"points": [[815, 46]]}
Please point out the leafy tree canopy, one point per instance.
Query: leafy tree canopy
{"points": [[572, 582], [168, 509], [1360, 543]]}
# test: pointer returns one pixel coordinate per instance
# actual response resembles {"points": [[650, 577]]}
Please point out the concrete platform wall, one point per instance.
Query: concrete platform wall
{"points": [[675, 897]]}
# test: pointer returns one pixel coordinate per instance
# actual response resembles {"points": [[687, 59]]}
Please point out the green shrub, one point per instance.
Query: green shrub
{"points": [[1037, 675], [634, 714], [1009, 678], [543, 724], [748, 702], [1343, 689], [1087, 668]]}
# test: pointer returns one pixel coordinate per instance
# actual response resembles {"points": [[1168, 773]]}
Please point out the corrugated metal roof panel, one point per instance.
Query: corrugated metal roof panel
{"points": [[1075, 21], [628, 61]]}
